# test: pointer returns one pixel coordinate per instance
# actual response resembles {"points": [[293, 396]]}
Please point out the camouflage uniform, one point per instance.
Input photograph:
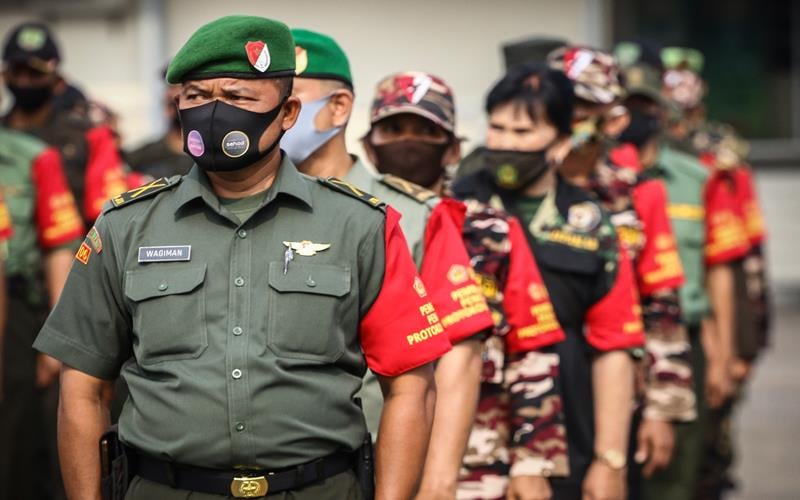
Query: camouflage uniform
{"points": [[637, 206], [519, 425], [590, 285]]}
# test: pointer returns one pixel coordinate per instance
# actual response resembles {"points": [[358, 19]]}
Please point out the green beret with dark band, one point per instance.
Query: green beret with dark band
{"points": [[319, 56], [235, 47]]}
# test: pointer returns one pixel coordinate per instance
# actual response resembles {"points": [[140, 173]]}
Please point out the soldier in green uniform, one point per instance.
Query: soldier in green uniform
{"points": [[317, 144], [242, 304], [704, 254]]}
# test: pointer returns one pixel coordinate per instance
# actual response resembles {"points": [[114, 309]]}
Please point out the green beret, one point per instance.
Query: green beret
{"points": [[236, 47], [319, 56]]}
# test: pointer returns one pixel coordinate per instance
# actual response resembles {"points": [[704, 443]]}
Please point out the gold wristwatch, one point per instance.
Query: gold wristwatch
{"points": [[612, 458]]}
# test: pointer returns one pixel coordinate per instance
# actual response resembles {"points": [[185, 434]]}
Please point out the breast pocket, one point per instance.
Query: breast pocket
{"points": [[305, 308], [168, 312]]}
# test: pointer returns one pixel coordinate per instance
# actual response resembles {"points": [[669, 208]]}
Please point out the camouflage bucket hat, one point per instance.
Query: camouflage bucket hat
{"points": [[595, 73], [417, 93]]}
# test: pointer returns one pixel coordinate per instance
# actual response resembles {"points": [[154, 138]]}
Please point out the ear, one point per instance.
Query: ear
{"points": [[366, 143], [613, 127], [341, 106], [559, 150], [291, 110], [453, 153]]}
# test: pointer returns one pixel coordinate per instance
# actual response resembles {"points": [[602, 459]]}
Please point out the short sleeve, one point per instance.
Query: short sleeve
{"points": [[658, 265], [615, 322], [527, 305], [57, 219], [449, 278], [105, 171], [6, 229], [753, 218], [726, 237], [401, 329], [89, 329]]}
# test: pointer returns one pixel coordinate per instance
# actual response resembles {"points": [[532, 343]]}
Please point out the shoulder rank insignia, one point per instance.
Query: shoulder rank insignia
{"points": [[415, 191], [347, 188], [144, 191]]}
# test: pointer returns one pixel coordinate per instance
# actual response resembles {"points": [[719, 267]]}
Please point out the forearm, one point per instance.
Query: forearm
{"points": [[612, 384], [458, 376], [82, 419], [405, 431], [56, 268], [720, 285]]}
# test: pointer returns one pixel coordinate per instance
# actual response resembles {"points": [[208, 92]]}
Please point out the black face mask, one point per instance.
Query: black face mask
{"points": [[643, 128], [221, 137], [514, 170], [30, 98], [415, 161]]}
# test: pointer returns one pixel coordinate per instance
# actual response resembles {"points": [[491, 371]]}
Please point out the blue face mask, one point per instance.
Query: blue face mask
{"points": [[302, 140]]}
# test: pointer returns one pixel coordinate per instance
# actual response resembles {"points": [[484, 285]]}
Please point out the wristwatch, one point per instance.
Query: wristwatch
{"points": [[612, 458]]}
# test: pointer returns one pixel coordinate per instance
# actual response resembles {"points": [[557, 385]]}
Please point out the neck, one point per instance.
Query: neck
{"points": [[579, 164], [248, 181], [545, 184], [24, 120], [174, 139], [438, 187], [331, 160]]}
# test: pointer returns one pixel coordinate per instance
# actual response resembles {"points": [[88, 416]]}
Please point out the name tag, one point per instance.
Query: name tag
{"points": [[168, 253]]}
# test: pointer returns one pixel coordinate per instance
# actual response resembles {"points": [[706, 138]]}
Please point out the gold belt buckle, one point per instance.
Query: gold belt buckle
{"points": [[249, 487]]}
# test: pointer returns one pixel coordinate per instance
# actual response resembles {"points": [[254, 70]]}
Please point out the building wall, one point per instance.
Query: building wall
{"points": [[459, 41]]}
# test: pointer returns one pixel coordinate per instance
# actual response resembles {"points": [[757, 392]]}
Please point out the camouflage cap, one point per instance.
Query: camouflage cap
{"points": [[32, 43], [595, 73], [319, 56], [236, 47], [644, 80], [417, 93]]}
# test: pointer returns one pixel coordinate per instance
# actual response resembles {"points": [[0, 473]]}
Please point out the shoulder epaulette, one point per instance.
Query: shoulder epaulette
{"points": [[349, 189], [144, 191], [407, 188]]}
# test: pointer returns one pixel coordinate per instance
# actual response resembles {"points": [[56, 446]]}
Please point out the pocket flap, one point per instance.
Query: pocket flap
{"points": [[157, 281], [321, 279]]}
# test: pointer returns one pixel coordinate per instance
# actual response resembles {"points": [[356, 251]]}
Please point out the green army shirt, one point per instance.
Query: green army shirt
{"points": [[235, 354]]}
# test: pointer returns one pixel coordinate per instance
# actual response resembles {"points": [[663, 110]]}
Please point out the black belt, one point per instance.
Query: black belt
{"points": [[238, 483]]}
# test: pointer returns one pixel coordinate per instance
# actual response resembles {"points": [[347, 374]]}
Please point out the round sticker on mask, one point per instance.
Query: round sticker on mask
{"points": [[194, 143], [235, 144]]}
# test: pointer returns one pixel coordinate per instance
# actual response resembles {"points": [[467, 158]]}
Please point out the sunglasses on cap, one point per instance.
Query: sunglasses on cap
{"points": [[682, 58]]}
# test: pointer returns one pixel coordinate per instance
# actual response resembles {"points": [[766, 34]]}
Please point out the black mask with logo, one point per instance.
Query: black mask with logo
{"points": [[512, 170], [30, 99], [222, 138], [415, 161]]}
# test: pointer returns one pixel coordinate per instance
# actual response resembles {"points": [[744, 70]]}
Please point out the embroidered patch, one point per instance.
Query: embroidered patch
{"points": [[94, 238], [84, 252]]}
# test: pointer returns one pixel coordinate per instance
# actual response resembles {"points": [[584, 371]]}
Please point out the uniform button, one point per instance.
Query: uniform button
{"points": [[242, 234], [236, 374], [239, 281], [239, 427], [237, 330], [310, 282], [163, 286]]}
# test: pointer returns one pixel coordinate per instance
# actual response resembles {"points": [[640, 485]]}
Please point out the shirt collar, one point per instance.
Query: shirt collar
{"points": [[288, 182]]}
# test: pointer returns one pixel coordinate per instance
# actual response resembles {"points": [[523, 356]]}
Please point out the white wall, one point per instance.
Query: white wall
{"points": [[458, 40]]}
